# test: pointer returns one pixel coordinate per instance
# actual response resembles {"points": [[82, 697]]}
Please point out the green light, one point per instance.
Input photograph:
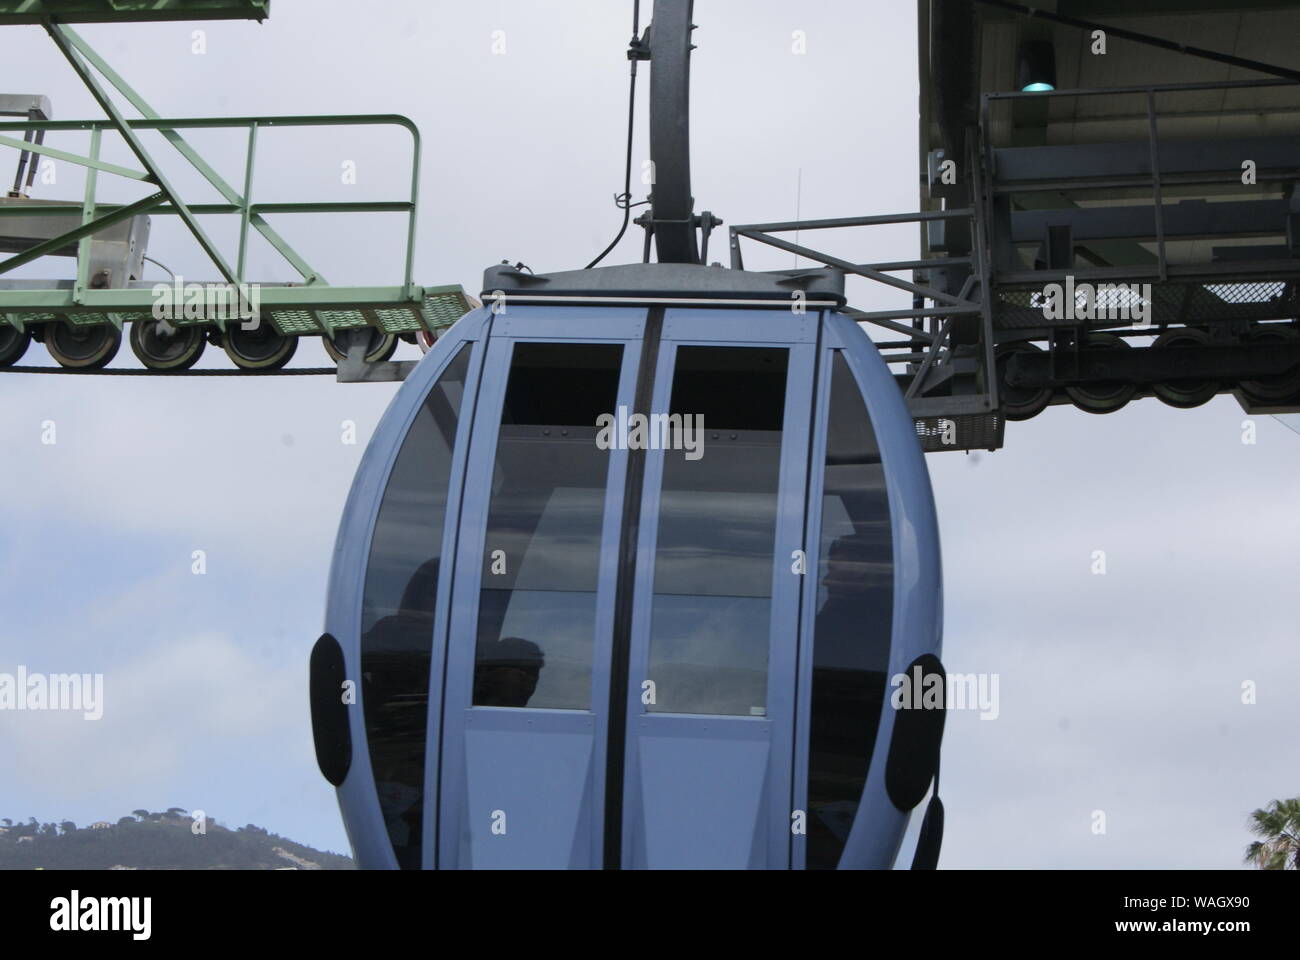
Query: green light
{"points": [[1038, 88]]}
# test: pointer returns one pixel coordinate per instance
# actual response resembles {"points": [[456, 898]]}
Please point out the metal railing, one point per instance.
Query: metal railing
{"points": [[1156, 181], [237, 202], [928, 349]]}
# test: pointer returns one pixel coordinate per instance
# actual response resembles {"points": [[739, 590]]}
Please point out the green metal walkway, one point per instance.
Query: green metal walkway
{"points": [[108, 240]]}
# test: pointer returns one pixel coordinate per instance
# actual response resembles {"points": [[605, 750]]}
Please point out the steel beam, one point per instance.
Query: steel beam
{"points": [[1096, 162], [672, 206], [1186, 220], [1227, 363], [129, 11], [32, 147]]}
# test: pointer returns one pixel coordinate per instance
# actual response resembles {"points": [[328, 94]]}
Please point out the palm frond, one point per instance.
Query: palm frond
{"points": [[1278, 825]]}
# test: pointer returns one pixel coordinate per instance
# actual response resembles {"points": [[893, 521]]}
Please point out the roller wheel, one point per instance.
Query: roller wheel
{"points": [[1019, 403], [161, 346], [1103, 396], [13, 343], [82, 347], [1278, 387], [258, 349], [380, 346], [1182, 392]]}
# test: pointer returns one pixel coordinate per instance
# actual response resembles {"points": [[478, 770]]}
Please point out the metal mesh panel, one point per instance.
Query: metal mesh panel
{"points": [[294, 321], [977, 431], [86, 319], [399, 319], [343, 319], [1171, 303], [444, 309]]}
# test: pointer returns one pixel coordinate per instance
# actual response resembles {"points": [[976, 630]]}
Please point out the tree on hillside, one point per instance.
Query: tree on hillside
{"points": [[1278, 825], [140, 814], [67, 826]]}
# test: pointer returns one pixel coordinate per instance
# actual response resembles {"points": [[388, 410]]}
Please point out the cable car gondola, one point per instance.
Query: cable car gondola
{"points": [[627, 571], [575, 654]]}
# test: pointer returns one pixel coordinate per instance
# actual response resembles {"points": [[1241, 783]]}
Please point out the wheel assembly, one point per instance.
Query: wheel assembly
{"points": [[258, 349], [86, 347], [1184, 393], [161, 346], [13, 343], [380, 346], [1102, 396], [1277, 387], [1019, 403]]}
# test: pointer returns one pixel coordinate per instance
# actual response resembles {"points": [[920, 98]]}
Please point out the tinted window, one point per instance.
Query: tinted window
{"points": [[397, 610], [537, 605], [711, 610], [854, 619]]}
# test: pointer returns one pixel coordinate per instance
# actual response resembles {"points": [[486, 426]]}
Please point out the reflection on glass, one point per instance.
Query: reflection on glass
{"points": [[854, 619], [397, 610], [537, 606], [711, 611]]}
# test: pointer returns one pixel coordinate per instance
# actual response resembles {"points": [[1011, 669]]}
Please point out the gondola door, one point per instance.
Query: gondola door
{"points": [[525, 731], [712, 625], [620, 677]]}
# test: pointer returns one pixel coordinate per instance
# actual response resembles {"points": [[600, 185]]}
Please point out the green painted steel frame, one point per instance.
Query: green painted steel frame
{"points": [[314, 294], [131, 11]]}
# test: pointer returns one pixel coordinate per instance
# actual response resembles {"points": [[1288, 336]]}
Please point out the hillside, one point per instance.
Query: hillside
{"points": [[155, 841]]}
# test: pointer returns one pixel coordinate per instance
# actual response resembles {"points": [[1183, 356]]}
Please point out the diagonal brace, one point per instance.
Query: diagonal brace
{"points": [[189, 153], [58, 34], [31, 147], [84, 230], [914, 387]]}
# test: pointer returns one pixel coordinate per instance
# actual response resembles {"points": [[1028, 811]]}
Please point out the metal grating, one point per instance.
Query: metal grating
{"points": [[1171, 303], [976, 431], [294, 321], [84, 319], [343, 319], [444, 309], [398, 320]]}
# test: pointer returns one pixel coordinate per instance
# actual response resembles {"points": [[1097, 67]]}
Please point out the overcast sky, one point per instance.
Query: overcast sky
{"points": [[1119, 693]]}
